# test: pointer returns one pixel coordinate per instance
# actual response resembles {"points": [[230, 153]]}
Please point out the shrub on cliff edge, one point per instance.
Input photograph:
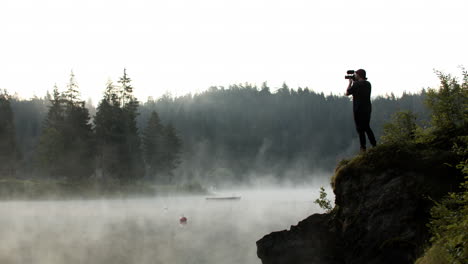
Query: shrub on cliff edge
{"points": [[449, 227]]}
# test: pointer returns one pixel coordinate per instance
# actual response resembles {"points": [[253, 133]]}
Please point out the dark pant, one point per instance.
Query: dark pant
{"points": [[362, 120]]}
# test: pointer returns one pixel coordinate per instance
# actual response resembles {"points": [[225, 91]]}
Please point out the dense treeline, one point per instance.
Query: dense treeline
{"points": [[243, 132], [61, 142], [8, 148], [235, 134]]}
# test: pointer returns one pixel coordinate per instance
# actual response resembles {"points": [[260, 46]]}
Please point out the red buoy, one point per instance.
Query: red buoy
{"points": [[183, 220]]}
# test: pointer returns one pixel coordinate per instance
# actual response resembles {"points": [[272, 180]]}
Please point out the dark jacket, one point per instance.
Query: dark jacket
{"points": [[361, 91]]}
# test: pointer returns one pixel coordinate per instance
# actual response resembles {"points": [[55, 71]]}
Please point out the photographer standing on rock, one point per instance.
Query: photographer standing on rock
{"points": [[360, 89]]}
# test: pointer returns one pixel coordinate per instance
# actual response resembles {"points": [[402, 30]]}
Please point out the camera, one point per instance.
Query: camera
{"points": [[350, 75]]}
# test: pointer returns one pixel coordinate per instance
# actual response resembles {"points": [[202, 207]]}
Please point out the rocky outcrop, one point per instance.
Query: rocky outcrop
{"points": [[310, 241], [382, 208]]}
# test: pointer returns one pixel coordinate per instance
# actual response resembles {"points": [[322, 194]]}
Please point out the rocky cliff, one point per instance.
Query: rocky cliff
{"points": [[382, 203]]}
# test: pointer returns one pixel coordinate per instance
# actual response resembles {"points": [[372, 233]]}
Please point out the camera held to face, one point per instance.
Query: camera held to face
{"points": [[350, 75]]}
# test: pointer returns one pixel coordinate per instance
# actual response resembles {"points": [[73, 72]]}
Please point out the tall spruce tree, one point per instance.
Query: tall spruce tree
{"points": [[110, 136], [66, 145], [119, 152], [8, 148], [80, 146], [72, 94], [135, 168], [52, 141], [161, 149], [153, 146], [172, 148]]}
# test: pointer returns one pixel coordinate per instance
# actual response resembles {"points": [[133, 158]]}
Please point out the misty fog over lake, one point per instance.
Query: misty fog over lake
{"points": [[147, 230]]}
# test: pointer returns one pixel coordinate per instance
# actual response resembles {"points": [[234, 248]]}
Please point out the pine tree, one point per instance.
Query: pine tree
{"points": [[161, 149], [284, 90], [126, 89], [153, 146], [56, 113], [72, 94], [110, 136], [172, 148], [66, 147], [80, 146], [265, 90], [119, 152], [133, 143], [52, 141], [130, 105], [8, 148], [111, 94]]}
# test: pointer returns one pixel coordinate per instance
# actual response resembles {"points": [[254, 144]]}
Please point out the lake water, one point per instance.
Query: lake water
{"points": [[148, 230]]}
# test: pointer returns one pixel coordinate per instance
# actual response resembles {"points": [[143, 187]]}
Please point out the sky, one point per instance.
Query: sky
{"points": [[186, 46]]}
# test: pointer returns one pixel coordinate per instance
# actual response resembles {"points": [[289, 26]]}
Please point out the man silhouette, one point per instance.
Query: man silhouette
{"points": [[360, 89]]}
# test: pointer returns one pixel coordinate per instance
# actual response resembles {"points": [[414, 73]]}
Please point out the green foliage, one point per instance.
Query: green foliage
{"points": [[449, 102], [323, 202], [449, 120], [171, 148], [118, 141], [134, 168], [109, 132], [72, 94], [66, 145], [153, 145], [126, 90], [28, 119], [161, 149], [449, 224], [8, 148], [50, 151], [402, 128], [449, 116], [52, 141], [449, 106]]}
